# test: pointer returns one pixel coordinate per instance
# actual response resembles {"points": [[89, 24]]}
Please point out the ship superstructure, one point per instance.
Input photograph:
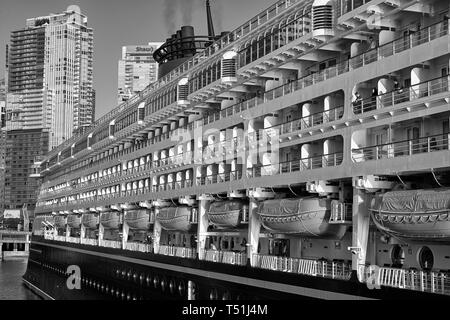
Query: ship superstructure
{"points": [[305, 153]]}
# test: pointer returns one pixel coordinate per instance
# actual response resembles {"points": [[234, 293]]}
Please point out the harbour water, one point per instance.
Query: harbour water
{"points": [[11, 286]]}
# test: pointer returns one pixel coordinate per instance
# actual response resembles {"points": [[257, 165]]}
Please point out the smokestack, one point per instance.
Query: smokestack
{"points": [[210, 21]]}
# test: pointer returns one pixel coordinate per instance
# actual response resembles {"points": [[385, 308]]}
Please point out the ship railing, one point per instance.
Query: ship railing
{"points": [[111, 244], [60, 238], [90, 242], [141, 247], [322, 161], [409, 147], [224, 256], [317, 268], [181, 252], [400, 95], [414, 39], [410, 279], [347, 6], [73, 240], [220, 177]]}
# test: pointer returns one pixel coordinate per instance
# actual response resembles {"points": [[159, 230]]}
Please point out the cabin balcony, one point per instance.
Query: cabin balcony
{"points": [[181, 252], [317, 268], [403, 148], [316, 162], [408, 279], [224, 256], [422, 93], [220, 178]]}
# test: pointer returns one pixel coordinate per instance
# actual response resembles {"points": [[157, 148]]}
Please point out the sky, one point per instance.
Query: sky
{"points": [[118, 23]]}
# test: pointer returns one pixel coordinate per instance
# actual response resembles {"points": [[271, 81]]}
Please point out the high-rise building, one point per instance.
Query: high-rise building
{"points": [[49, 95], [2, 103], [49, 68], [137, 69]]}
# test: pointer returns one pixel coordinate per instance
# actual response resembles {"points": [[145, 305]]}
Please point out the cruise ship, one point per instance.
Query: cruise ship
{"points": [[303, 155]]}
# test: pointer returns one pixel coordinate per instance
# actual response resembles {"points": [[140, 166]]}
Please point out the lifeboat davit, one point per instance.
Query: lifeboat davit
{"points": [[227, 214], [90, 220], [74, 220], [175, 218], [307, 217], [110, 220], [414, 214], [138, 219], [60, 222]]}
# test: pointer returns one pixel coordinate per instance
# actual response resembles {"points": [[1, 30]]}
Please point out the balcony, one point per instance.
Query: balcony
{"points": [[399, 96], [308, 122], [323, 161], [409, 279], [220, 178], [410, 147], [401, 44], [180, 252], [222, 256], [316, 268]]}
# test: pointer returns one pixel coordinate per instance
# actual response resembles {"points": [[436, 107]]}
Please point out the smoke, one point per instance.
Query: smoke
{"points": [[217, 11], [186, 11], [186, 8], [170, 9]]}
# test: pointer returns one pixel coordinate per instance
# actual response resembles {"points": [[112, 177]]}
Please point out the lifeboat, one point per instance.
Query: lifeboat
{"points": [[73, 221], [110, 220], [90, 220], [60, 222], [175, 218], [227, 214], [307, 217], [414, 214], [138, 219]]}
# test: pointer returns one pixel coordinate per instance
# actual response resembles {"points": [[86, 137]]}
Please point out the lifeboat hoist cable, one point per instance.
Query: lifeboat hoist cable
{"points": [[292, 191], [434, 176]]}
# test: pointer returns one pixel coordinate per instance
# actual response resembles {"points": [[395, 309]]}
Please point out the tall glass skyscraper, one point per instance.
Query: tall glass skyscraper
{"points": [[49, 94]]}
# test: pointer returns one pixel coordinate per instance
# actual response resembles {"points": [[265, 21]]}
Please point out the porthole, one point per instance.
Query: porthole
{"points": [[226, 295], [163, 284], [156, 282], [181, 288], [426, 258], [213, 295], [172, 286]]}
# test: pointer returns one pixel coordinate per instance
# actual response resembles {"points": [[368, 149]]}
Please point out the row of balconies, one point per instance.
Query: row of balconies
{"points": [[316, 119]]}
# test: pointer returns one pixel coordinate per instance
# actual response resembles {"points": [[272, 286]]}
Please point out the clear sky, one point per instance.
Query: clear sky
{"points": [[117, 23]]}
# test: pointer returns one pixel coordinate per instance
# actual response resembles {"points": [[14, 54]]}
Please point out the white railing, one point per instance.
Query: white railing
{"points": [[410, 279], [90, 242], [228, 257], [73, 240], [317, 268], [181, 252], [111, 244], [141, 247]]}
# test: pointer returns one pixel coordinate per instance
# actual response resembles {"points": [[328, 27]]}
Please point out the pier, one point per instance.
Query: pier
{"points": [[14, 243]]}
